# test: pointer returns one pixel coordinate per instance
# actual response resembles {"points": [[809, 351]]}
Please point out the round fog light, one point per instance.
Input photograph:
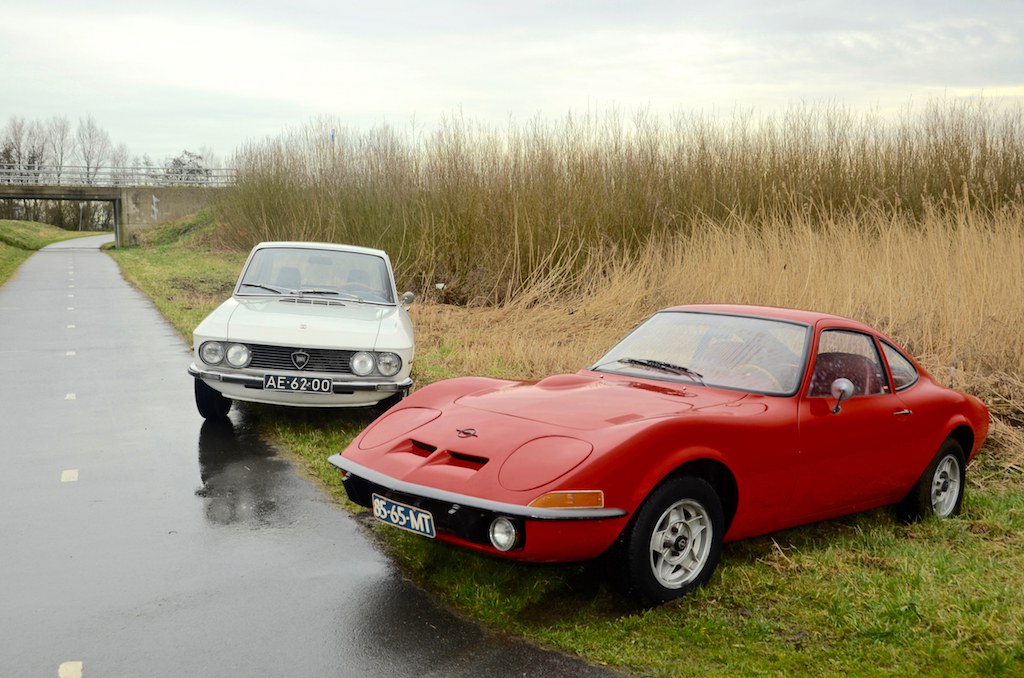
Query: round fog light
{"points": [[503, 534]]}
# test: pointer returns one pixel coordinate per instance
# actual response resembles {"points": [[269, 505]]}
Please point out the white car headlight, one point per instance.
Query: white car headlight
{"points": [[389, 364], [361, 363], [212, 352], [238, 355]]}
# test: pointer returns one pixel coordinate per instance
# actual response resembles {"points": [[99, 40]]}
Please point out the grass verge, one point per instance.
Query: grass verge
{"points": [[863, 595], [19, 239]]}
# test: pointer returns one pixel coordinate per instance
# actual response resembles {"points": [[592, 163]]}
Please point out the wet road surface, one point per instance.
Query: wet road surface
{"points": [[135, 540]]}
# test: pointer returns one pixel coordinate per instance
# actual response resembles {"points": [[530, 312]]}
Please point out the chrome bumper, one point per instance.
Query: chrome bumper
{"points": [[515, 510], [339, 385]]}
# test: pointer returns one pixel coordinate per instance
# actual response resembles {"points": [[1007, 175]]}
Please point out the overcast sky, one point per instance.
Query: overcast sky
{"points": [[164, 77]]}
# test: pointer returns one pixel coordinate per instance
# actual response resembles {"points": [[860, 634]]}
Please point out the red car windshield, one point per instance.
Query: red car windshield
{"points": [[746, 353]]}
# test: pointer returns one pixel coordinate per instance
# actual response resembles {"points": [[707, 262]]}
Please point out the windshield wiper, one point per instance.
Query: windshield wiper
{"points": [[270, 288], [671, 368], [316, 290]]}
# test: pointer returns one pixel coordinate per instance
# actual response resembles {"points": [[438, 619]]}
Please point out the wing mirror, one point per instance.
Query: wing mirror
{"points": [[842, 389], [408, 298]]}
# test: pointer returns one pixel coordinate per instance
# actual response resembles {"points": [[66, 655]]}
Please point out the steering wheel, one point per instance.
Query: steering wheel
{"points": [[759, 375]]}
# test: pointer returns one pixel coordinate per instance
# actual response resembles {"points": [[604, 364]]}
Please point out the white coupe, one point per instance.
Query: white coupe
{"points": [[308, 325]]}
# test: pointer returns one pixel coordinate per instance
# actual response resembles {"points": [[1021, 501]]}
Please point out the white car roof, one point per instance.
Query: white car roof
{"points": [[321, 246]]}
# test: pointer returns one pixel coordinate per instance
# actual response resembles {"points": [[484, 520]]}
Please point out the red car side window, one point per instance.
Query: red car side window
{"points": [[849, 355], [904, 373]]}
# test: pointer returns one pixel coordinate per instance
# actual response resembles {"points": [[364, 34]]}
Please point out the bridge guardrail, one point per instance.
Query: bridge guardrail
{"points": [[46, 175]]}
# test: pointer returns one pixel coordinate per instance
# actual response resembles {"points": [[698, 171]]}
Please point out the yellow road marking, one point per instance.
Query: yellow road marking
{"points": [[69, 475], [70, 670]]}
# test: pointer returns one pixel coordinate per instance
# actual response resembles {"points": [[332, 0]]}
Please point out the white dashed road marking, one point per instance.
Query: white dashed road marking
{"points": [[69, 475], [70, 670], [70, 396]]}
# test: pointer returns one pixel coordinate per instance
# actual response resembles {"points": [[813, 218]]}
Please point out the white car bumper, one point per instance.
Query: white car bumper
{"points": [[344, 392]]}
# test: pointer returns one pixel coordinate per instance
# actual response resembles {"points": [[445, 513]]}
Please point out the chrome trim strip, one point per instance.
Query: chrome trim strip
{"points": [[251, 380], [515, 510]]}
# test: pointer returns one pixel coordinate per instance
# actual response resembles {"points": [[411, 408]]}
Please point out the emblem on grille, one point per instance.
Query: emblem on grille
{"points": [[466, 432], [300, 359]]}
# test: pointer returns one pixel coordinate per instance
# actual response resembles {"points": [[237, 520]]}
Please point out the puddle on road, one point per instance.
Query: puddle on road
{"points": [[244, 483]]}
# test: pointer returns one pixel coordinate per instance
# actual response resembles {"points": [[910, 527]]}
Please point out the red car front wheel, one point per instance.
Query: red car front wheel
{"points": [[674, 544]]}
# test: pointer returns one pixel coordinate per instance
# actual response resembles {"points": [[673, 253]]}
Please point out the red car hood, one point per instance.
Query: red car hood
{"points": [[589, 401], [499, 442]]}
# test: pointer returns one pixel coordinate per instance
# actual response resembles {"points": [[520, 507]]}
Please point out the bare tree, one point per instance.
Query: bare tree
{"points": [[188, 167], [119, 160], [14, 141], [35, 148], [61, 143], [210, 159], [93, 146]]}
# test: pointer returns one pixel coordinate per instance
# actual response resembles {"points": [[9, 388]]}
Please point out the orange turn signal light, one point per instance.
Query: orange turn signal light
{"points": [[570, 499]]}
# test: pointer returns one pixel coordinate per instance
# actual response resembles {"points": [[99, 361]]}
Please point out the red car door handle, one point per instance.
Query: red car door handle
{"points": [[902, 413]]}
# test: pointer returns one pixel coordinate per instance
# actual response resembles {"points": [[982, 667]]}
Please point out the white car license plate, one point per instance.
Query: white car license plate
{"points": [[285, 382], [406, 517]]}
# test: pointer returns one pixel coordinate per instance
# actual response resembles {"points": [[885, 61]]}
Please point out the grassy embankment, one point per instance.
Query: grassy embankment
{"points": [[19, 239], [915, 228]]}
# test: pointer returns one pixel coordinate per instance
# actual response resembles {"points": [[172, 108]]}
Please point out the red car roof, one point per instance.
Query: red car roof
{"points": [[791, 314]]}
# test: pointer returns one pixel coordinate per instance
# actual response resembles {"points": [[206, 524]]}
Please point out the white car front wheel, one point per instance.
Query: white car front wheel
{"points": [[210, 402]]}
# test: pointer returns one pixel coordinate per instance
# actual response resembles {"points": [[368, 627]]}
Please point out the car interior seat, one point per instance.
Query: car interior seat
{"points": [[859, 370]]}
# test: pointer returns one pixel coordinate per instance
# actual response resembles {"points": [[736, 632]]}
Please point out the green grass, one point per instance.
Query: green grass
{"points": [[19, 239], [184, 279], [863, 595]]}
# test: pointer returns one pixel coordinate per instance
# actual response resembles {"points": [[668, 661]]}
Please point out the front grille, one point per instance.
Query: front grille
{"points": [[280, 358]]}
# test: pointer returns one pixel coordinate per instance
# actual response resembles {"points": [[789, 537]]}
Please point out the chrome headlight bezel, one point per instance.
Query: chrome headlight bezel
{"points": [[362, 363], [389, 364], [211, 352], [238, 355]]}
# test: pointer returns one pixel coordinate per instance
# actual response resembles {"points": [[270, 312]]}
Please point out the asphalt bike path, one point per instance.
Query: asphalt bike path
{"points": [[137, 540]]}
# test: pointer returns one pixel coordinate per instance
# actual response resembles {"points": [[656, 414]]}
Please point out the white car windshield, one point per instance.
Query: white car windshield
{"points": [[318, 272], [739, 352]]}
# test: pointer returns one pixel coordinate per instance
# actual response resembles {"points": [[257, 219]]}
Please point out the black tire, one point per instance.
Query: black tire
{"points": [[687, 513], [939, 491], [210, 403]]}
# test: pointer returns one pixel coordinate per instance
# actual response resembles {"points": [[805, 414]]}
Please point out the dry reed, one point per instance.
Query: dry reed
{"points": [[562, 236]]}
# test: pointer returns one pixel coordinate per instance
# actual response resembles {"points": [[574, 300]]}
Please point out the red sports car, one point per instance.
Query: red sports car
{"points": [[706, 424]]}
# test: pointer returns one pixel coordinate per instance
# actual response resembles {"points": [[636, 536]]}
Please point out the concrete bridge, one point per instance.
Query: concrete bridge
{"points": [[140, 196]]}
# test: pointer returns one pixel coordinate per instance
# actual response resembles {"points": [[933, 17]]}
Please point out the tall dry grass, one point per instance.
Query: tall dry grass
{"points": [[484, 210], [564, 235], [948, 288]]}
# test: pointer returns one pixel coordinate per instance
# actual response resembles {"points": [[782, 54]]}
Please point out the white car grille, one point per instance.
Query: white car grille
{"points": [[266, 357]]}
